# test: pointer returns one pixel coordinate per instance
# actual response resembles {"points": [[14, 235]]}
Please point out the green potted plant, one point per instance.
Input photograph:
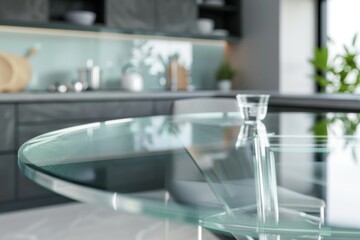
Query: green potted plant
{"points": [[340, 74], [224, 76]]}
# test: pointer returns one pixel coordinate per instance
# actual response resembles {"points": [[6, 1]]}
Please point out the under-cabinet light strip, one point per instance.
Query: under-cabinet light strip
{"points": [[102, 35]]}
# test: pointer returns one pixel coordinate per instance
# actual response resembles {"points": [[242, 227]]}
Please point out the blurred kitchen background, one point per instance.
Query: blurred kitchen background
{"points": [[121, 38], [143, 39]]}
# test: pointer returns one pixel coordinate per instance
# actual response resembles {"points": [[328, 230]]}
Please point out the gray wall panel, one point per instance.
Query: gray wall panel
{"points": [[7, 127]]}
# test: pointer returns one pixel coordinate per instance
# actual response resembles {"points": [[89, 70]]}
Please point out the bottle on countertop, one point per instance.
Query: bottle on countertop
{"points": [[177, 76], [90, 76]]}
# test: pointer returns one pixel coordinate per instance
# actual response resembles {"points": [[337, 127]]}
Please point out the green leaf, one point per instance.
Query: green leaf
{"points": [[320, 128], [335, 71], [343, 75], [344, 88], [323, 82], [354, 39], [350, 60], [346, 49], [225, 71], [320, 60]]}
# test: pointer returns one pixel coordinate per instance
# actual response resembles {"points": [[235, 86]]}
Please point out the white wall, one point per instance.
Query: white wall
{"points": [[297, 41], [278, 38]]}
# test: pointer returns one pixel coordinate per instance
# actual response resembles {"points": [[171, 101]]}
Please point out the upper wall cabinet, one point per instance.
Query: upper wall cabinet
{"points": [[153, 15], [59, 8], [29, 10], [175, 18], [226, 16], [131, 14]]}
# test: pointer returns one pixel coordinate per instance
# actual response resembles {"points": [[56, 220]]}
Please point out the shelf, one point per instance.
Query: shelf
{"points": [[225, 9], [98, 28]]}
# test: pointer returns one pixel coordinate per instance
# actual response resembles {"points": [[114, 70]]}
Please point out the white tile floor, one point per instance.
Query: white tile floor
{"points": [[78, 221]]}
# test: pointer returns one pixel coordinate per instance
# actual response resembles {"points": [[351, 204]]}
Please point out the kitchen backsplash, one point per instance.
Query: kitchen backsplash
{"points": [[61, 55]]}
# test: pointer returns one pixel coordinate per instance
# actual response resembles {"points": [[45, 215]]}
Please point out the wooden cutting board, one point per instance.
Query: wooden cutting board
{"points": [[7, 71], [15, 71], [181, 76], [23, 72]]}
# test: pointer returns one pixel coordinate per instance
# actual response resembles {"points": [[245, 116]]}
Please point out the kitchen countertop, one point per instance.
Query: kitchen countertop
{"points": [[332, 101], [99, 96]]}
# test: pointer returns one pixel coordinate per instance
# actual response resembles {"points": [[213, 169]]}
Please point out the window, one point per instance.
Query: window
{"points": [[343, 22]]}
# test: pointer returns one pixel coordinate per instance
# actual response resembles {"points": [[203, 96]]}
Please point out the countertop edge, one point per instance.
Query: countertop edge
{"points": [[344, 101]]}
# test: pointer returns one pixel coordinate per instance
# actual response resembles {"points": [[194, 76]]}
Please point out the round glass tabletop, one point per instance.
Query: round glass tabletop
{"points": [[292, 176]]}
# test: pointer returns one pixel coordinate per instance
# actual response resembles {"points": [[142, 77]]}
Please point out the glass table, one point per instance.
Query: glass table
{"points": [[292, 176]]}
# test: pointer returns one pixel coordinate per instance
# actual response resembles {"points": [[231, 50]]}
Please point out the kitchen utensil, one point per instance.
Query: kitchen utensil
{"points": [[59, 87], [7, 71], [205, 25], [177, 76], [81, 17], [90, 76], [15, 71], [78, 86], [23, 70], [131, 79]]}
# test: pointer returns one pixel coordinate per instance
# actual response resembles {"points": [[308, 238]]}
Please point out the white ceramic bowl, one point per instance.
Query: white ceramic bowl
{"points": [[205, 25], [80, 17]]}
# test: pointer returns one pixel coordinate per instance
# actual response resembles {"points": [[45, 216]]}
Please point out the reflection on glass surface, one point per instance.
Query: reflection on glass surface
{"points": [[212, 169]]}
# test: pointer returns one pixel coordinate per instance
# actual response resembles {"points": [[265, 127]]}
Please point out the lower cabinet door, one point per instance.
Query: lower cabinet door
{"points": [[7, 177], [7, 126], [163, 107]]}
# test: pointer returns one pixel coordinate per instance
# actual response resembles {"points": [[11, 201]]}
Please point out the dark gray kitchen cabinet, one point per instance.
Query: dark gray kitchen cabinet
{"points": [[176, 16], [131, 14], [7, 177], [163, 107], [169, 17], [160, 15], [20, 10], [81, 111], [7, 127]]}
